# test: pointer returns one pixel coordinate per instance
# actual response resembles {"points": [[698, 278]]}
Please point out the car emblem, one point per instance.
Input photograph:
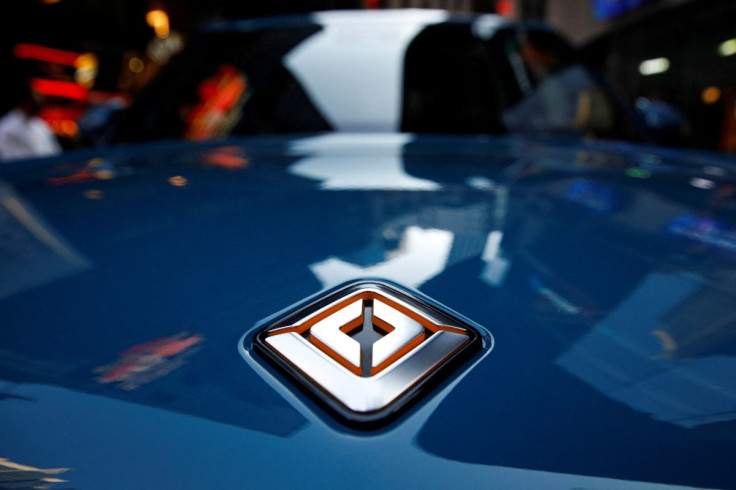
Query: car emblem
{"points": [[367, 349]]}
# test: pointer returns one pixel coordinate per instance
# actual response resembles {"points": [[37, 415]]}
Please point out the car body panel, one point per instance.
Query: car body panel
{"points": [[603, 271]]}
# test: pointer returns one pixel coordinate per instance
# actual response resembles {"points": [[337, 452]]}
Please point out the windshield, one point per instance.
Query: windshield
{"points": [[441, 78]]}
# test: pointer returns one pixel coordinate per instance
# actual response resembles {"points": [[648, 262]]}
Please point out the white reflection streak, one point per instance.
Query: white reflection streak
{"points": [[31, 252], [423, 256], [40, 231], [338, 170], [492, 245], [496, 267], [336, 160], [382, 173]]}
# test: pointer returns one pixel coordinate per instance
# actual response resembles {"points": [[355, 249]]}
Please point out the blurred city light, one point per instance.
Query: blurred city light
{"points": [[48, 55], [160, 50], [94, 194], [702, 183], [105, 174], [61, 119], [638, 173], [86, 73], [159, 20], [63, 127], [227, 157], [178, 181], [56, 88], [505, 8], [710, 95], [85, 65], [654, 66], [136, 65], [727, 48], [68, 128]]}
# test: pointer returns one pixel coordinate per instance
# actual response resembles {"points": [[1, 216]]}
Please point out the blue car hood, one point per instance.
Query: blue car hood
{"points": [[604, 271]]}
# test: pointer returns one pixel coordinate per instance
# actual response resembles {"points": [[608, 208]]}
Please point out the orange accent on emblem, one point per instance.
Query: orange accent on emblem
{"points": [[347, 328], [399, 353], [334, 355]]}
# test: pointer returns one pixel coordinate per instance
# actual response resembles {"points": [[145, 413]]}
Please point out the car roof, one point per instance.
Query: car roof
{"points": [[352, 68], [368, 18]]}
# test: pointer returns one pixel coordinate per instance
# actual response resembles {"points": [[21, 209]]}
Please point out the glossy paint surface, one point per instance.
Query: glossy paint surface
{"points": [[604, 271]]}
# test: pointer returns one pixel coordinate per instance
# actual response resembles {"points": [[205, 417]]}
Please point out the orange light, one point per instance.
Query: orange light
{"points": [[56, 88], [86, 73], [226, 159], [54, 115], [136, 65], [94, 194], [86, 61], [48, 55], [178, 181], [68, 128], [710, 95], [105, 174], [159, 20], [219, 95]]}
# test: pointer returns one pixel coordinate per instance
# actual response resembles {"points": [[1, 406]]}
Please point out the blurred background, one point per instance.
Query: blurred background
{"points": [[672, 60]]}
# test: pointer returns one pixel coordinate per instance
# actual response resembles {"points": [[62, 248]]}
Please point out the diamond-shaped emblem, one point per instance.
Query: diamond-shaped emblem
{"points": [[367, 349]]}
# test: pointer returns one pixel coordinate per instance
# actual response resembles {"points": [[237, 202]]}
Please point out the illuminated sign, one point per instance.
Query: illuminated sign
{"points": [[607, 9]]}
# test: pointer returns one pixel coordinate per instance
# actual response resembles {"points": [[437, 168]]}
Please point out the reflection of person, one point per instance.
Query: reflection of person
{"points": [[22, 133], [668, 124]]}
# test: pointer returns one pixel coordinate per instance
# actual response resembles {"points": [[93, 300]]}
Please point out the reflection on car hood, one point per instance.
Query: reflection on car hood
{"points": [[604, 271]]}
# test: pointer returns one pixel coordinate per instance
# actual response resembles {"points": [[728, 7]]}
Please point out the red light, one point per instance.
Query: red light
{"points": [[505, 8], [49, 55], [55, 88], [225, 158], [219, 95], [61, 119], [85, 175], [58, 113]]}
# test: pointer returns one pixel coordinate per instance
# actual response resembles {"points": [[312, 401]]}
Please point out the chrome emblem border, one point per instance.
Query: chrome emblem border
{"points": [[367, 382]]}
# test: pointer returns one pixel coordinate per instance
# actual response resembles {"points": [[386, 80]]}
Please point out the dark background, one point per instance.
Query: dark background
{"points": [[616, 36]]}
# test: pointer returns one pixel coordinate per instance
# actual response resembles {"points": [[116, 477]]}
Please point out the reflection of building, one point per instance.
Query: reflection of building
{"points": [[666, 350], [701, 325]]}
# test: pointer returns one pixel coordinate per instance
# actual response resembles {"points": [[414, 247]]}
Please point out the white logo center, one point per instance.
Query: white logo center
{"points": [[367, 347]]}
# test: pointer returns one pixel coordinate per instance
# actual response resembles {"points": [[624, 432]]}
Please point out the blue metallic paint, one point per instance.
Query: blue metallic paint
{"points": [[614, 354]]}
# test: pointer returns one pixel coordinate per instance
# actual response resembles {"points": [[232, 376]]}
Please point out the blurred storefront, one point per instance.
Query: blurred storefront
{"points": [[675, 59], [694, 44], [676, 54]]}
